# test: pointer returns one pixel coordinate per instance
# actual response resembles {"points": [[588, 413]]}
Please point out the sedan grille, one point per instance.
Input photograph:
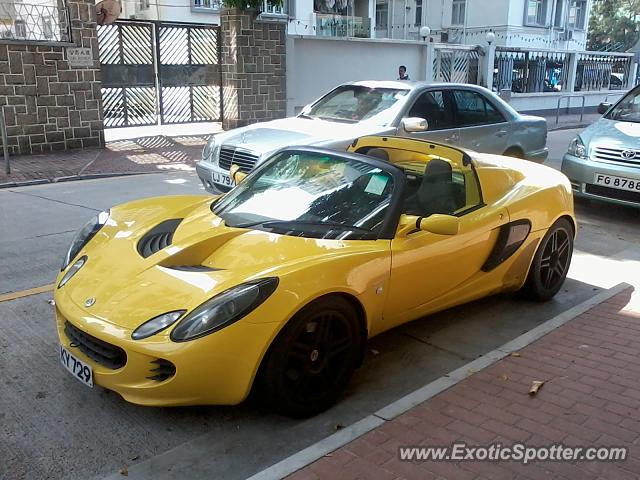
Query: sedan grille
{"points": [[627, 157], [245, 159], [97, 350], [612, 193]]}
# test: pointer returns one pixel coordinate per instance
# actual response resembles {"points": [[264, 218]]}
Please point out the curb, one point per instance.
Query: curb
{"points": [[72, 178], [327, 445], [567, 127]]}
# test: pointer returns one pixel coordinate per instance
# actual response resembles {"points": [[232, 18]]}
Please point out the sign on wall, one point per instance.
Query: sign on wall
{"points": [[79, 57]]}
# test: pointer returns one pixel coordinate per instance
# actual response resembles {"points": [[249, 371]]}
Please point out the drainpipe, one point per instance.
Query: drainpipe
{"points": [[404, 28]]}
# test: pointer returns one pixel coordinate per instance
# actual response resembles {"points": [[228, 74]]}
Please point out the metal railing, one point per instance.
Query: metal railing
{"points": [[602, 71], [528, 71], [29, 22], [569, 97]]}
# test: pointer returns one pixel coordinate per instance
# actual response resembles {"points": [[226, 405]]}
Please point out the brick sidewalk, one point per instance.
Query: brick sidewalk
{"points": [[141, 155], [591, 397]]}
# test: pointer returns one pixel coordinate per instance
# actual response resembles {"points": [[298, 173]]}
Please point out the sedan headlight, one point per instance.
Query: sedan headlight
{"points": [[73, 270], [209, 147], [83, 236], [224, 309], [156, 324], [577, 148]]}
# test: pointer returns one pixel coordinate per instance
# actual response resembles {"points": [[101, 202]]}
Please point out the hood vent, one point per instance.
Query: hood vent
{"points": [[158, 237]]}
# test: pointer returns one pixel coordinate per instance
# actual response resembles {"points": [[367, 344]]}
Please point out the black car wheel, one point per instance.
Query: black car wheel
{"points": [[551, 262], [312, 359]]}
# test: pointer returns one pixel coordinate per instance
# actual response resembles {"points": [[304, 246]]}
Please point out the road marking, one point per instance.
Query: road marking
{"points": [[25, 293]]}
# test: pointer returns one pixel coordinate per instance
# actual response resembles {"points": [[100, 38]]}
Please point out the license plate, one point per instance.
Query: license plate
{"points": [[222, 179], [77, 367], [618, 182]]}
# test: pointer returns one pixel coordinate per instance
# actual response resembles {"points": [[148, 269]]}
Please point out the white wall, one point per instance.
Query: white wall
{"points": [[316, 65]]}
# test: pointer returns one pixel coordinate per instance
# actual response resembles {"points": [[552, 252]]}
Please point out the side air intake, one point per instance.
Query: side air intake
{"points": [[158, 237]]}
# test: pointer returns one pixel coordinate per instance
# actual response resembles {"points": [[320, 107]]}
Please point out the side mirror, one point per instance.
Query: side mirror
{"points": [[414, 124], [236, 174], [439, 224], [603, 107]]}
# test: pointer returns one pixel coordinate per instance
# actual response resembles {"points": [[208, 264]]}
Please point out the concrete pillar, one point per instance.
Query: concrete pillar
{"points": [[573, 70], [253, 69], [488, 62], [430, 55]]}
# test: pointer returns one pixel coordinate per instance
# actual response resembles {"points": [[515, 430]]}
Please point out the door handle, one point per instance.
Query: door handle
{"points": [[501, 133], [451, 139]]}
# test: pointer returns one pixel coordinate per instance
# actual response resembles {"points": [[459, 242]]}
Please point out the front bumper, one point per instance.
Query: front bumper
{"points": [[205, 171], [581, 172], [217, 369], [538, 156]]}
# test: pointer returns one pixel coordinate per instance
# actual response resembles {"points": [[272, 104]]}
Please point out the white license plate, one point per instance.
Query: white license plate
{"points": [[222, 179], [618, 182], [77, 367]]}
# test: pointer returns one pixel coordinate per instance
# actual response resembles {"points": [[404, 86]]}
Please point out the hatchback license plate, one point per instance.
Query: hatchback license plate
{"points": [[221, 179], [77, 367], [617, 182]]}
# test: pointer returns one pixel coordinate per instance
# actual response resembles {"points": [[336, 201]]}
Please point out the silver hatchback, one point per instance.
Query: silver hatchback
{"points": [[603, 162], [464, 115]]}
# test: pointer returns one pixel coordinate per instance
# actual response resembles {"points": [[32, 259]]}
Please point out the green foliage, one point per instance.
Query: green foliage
{"points": [[613, 25], [250, 4]]}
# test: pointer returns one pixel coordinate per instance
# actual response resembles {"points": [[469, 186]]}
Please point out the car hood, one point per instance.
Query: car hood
{"points": [[204, 258], [269, 136], [612, 133]]}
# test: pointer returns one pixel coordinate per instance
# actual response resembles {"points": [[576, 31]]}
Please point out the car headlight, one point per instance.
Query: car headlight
{"points": [[224, 309], [209, 147], [73, 270], [156, 324], [577, 148], [83, 236]]}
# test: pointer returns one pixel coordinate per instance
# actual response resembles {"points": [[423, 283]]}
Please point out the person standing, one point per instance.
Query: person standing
{"points": [[402, 73]]}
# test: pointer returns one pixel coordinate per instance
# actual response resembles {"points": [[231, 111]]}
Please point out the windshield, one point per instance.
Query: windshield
{"points": [[355, 103], [311, 195], [628, 110]]}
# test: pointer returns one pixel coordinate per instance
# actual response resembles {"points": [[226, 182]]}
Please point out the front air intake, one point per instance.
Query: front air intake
{"points": [[158, 237]]}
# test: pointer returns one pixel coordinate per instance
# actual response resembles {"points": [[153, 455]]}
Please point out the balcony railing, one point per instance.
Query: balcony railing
{"points": [[214, 6], [36, 23]]}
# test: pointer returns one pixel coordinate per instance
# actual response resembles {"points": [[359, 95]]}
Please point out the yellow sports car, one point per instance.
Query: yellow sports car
{"points": [[276, 285]]}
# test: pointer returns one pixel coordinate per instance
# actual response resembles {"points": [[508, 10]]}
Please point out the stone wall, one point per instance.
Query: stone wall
{"points": [[253, 69], [47, 104]]}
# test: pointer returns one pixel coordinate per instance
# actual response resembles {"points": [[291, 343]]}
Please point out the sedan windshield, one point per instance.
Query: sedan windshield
{"points": [[355, 103], [628, 110], [311, 195]]}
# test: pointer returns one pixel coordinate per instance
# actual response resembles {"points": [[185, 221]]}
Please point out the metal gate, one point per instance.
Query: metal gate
{"points": [[159, 71]]}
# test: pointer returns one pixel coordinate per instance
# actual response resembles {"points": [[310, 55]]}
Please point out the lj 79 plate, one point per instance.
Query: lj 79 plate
{"points": [[222, 179], [618, 182], [77, 367]]}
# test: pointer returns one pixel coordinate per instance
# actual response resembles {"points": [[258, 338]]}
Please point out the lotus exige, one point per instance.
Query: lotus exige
{"points": [[277, 285]]}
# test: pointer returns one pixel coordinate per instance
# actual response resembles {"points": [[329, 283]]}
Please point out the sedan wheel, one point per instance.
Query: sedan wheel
{"points": [[313, 358], [551, 262]]}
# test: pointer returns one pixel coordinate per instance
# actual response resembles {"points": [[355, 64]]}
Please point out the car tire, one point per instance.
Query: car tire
{"points": [[513, 152], [312, 359], [550, 263]]}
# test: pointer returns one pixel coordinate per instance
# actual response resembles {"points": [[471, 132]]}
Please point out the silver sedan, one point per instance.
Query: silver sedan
{"points": [[464, 115], [603, 162]]}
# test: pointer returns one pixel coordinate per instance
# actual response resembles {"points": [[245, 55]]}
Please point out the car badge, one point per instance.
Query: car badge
{"points": [[243, 138], [89, 302], [628, 154]]}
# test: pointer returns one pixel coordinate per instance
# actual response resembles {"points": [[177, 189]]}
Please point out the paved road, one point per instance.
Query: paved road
{"points": [[53, 427]]}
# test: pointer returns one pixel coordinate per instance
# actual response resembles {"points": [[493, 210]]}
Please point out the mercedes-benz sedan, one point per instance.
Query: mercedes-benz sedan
{"points": [[458, 114]]}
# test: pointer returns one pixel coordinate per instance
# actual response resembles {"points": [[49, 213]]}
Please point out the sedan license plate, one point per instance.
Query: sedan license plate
{"points": [[77, 367], [221, 179], [617, 182]]}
